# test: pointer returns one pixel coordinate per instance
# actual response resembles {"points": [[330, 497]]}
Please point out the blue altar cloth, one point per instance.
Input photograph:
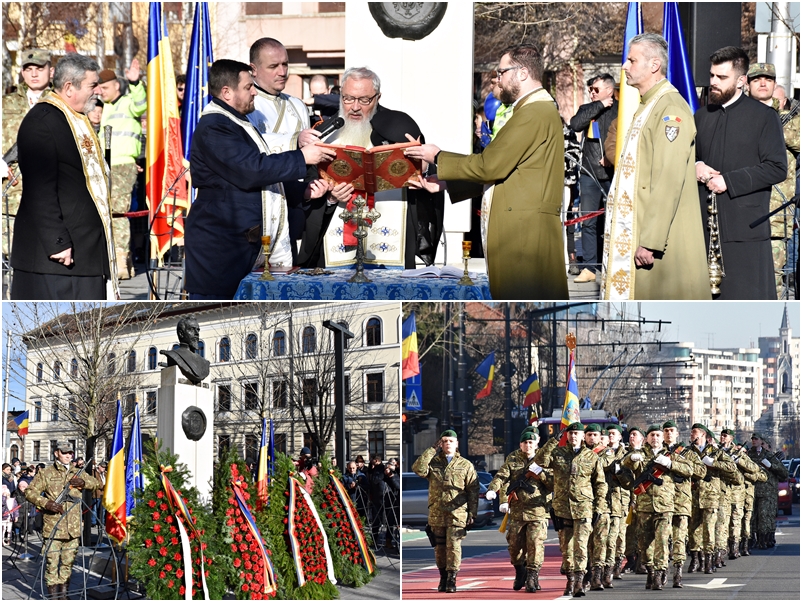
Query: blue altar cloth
{"points": [[387, 284]]}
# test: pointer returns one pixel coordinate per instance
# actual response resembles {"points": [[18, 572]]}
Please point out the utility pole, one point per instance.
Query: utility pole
{"points": [[341, 334], [780, 45], [462, 389], [507, 377]]}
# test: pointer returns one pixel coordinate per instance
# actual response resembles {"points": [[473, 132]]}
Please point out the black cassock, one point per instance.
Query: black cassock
{"points": [[743, 141]]}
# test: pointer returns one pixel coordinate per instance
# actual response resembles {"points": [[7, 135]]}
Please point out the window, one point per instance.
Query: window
{"points": [[279, 393], [280, 443], [73, 411], [309, 391], [74, 368], [331, 7], [279, 343], [152, 355], [251, 347], [54, 442], [224, 350], [252, 448], [223, 398], [37, 410], [263, 8], [251, 395], [309, 340], [347, 389], [37, 451], [373, 332], [111, 366], [57, 370], [128, 404], [223, 445], [201, 350], [54, 410], [374, 385], [375, 443], [150, 402], [15, 451], [39, 373], [132, 361]]}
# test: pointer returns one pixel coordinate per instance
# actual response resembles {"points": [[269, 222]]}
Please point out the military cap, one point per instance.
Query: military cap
{"points": [[699, 425], [654, 427], [728, 432], [531, 427], [528, 435], [107, 75], [576, 426], [670, 424], [761, 70], [615, 426], [637, 428], [63, 445], [758, 436], [593, 428], [35, 56], [448, 433], [710, 433]]}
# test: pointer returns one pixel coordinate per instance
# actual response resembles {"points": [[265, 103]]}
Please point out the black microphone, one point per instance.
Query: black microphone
{"points": [[329, 125], [12, 154]]}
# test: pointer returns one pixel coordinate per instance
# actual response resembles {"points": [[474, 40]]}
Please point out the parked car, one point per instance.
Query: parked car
{"points": [[793, 481], [785, 495], [484, 479], [415, 502]]}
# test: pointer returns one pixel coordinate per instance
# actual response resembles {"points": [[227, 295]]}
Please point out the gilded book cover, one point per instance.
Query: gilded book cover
{"points": [[375, 170]]}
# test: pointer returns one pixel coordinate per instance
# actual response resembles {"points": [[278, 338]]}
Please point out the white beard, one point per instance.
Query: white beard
{"points": [[355, 133]]}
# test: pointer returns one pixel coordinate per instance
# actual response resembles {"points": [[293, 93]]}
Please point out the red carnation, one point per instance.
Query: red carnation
{"points": [[163, 507], [203, 546], [237, 562], [168, 567], [234, 548], [246, 556], [238, 538], [151, 562], [182, 590], [179, 573], [248, 566], [209, 561], [159, 539], [148, 543], [156, 528], [156, 516], [243, 547], [177, 557], [173, 530], [162, 575], [152, 503], [171, 583], [163, 551], [160, 494], [245, 587], [169, 519]]}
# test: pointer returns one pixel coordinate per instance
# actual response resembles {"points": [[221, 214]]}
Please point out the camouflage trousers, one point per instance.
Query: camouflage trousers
{"points": [[14, 197], [723, 525], [679, 538], [574, 544], [654, 531], [123, 178], [526, 542], [736, 520], [448, 551], [615, 539], [779, 254], [764, 516], [598, 541], [631, 536], [746, 523], [703, 529], [59, 561]]}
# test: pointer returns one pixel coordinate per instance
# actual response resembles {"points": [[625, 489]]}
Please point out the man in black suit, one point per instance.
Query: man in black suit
{"points": [[62, 236]]}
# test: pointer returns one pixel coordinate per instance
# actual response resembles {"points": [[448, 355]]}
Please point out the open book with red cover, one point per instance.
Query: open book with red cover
{"points": [[370, 171]]}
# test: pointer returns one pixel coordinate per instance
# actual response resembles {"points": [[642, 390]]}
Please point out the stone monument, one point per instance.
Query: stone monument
{"points": [[186, 407]]}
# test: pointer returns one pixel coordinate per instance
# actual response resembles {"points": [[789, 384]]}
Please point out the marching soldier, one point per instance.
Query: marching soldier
{"points": [[731, 485], [750, 481], [765, 509], [601, 530], [634, 564], [65, 532], [747, 468], [579, 495], [524, 494], [618, 498], [453, 504]]}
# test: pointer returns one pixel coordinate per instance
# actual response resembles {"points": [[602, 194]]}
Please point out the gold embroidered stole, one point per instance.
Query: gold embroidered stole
{"points": [[621, 220], [96, 173], [284, 106]]}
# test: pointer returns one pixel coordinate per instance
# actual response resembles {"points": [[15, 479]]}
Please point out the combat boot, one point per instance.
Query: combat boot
{"points": [[521, 577], [569, 585], [708, 561], [53, 592], [732, 549], [677, 575], [441, 587], [532, 584], [745, 547], [579, 589], [451, 582], [619, 564], [64, 591], [694, 566], [761, 541], [657, 581], [770, 541], [607, 582], [720, 559], [586, 580], [629, 567], [649, 578], [595, 579]]}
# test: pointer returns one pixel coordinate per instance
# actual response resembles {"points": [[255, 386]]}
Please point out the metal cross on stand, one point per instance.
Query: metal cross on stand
{"points": [[361, 219]]}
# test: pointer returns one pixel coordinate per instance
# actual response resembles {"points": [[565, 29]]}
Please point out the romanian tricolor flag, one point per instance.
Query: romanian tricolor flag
{"points": [[165, 185], [261, 470], [628, 97], [409, 348], [114, 499], [571, 406], [486, 370], [531, 390], [22, 424], [196, 93], [678, 71]]}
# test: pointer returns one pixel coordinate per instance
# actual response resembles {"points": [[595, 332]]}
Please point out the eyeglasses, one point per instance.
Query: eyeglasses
{"points": [[500, 72], [69, 453], [363, 100], [596, 90]]}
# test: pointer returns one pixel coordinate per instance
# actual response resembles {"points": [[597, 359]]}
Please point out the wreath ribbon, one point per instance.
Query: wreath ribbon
{"points": [[295, 489], [350, 512], [269, 574]]}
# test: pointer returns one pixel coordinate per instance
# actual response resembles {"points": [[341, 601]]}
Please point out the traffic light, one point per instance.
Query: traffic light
{"points": [[412, 423]]}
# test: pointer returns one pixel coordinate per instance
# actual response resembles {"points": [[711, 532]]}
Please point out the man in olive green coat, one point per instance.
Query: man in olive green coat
{"points": [[524, 164], [654, 244], [453, 503], [524, 491], [580, 493]]}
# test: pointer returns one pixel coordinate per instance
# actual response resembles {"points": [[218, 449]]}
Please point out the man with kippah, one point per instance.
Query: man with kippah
{"points": [[579, 495], [737, 499], [765, 510], [618, 497], [453, 503], [525, 490]]}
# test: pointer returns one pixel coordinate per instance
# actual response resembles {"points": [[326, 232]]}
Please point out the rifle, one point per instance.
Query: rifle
{"points": [[707, 453], [559, 523], [652, 473], [65, 493], [514, 486]]}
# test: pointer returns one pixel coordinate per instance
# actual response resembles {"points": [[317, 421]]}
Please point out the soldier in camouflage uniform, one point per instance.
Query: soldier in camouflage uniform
{"points": [[524, 495], [597, 550], [36, 75], [765, 509], [618, 501], [750, 480], [453, 503], [46, 486], [748, 469], [706, 495], [634, 564], [762, 81], [731, 491], [579, 495], [683, 503]]}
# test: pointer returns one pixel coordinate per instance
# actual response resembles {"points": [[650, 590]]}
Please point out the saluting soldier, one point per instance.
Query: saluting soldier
{"points": [[765, 510], [618, 497], [46, 486], [524, 492], [453, 503], [579, 495]]}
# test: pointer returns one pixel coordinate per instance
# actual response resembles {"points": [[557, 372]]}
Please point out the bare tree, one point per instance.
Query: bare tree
{"points": [[48, 24]]}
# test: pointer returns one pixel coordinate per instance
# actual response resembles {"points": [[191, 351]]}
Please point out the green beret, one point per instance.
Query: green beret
{"points": [[576, 426], [670, 424], [528, 435], [728, 432], [699, 425], [710, 433], [448, 433], [654, 427], [637, 428], [593, 428], [758, 436], [531, 427], [612, 425]]}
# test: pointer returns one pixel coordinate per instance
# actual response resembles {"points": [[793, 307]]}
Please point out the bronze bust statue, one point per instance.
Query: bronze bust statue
{"points": [[193, 366]]}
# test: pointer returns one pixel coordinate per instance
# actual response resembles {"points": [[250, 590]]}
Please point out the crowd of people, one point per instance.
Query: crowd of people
{"points": [[638, 505]]}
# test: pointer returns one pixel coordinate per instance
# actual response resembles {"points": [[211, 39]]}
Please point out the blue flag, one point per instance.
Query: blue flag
{"points": [[196, 92], [133, 468], [678, 70]]}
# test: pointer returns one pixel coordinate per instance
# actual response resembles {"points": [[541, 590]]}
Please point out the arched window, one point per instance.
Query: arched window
{"points": [[373, 332], [132, 361], [74, 368], [224, 352], [39, 373], [251, 347], [111, 366], [279, 343], [152, 355], [201, 349], [56, 370], [309, 340]]}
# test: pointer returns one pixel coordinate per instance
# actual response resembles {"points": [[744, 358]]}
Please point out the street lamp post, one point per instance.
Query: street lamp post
{"points": [[341, 333]]}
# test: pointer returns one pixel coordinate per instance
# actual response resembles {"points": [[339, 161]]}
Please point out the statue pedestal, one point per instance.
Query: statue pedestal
{"points": [[176, 395]]}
